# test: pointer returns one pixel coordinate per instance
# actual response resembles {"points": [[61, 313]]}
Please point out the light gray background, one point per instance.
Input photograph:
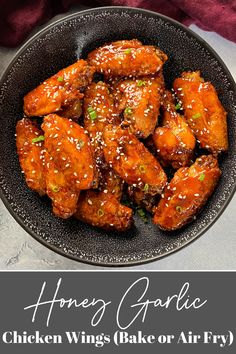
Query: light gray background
{"points": [[216, 249]]}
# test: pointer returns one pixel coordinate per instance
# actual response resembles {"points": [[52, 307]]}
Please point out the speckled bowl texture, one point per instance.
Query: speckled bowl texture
{"points": [[59, 45]]}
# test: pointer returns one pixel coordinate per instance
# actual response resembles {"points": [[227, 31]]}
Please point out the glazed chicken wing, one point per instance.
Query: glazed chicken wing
{"points": [[127, 57], [59, 90], [30, 149], [104, 211], [99, 110], [174, 141], [203, 110], [186, 193], [131, 160], [103, 208], [139, 100], [69, 163]]}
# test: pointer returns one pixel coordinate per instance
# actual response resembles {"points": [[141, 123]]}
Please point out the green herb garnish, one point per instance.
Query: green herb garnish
{"points": [[141, 83], [60, 79], [178, 106], [128, 110], [127, 51], [146, 187], [100, 213], [142, 214], [202, 177], [179, 208], [92, 113], [196, 116], [142, 169], [55, 189], [38, 139]]}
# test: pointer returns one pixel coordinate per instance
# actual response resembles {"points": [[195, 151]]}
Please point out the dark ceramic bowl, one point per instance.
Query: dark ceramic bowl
{"points": [[59, 45]]}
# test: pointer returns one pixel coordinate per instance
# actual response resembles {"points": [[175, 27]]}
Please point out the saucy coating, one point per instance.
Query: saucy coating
{"points": [[203, 111], [131, 160], [59, 90], [127, 57], [111, 183], [102, 208], [69, 163], [64, 195], [174, 141], [72, 111], [104, 211], [98, 110], [31, 154], [139, 99], [186, 193]]}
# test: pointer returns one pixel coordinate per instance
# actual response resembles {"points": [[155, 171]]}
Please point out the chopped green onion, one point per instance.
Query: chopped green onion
{"points": [[38, 139], [142, 169], [142, 214], [196, 116], [146, 187], [202, 177], [60, 79], [90, 109], [179, 208], [178, 106], [128, 110], [127, 51], [100, 213], [141, 83], [92, 113], [55, 189]]}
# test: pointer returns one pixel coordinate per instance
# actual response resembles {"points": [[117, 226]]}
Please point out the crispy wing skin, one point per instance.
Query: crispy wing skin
{"points": [[203, 110], [131, 160], [186, 193], [99, 110], [102, 208], [31, 154], [174, 141], [139, 100], [69, 163], [59, 90], [127, 57]]}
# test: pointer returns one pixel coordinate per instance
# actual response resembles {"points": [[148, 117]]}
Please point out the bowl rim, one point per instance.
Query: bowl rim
{"points": [[4, 75]]}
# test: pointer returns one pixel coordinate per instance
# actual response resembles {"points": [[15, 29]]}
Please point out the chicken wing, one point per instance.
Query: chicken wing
{"points": [[59, 90], [104, 211], [186, 193], [103, 208], [30, 149], [203, 110], [69, 163], [131, 160], [139, 100], [174, 141], [99, 110], [127, 57]]}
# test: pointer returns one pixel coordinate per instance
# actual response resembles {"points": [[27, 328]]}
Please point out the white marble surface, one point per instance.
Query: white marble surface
{"points": [[215, 250]]}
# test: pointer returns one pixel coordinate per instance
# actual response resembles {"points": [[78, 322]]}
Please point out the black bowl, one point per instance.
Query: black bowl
{"points": [[59, 45]]}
